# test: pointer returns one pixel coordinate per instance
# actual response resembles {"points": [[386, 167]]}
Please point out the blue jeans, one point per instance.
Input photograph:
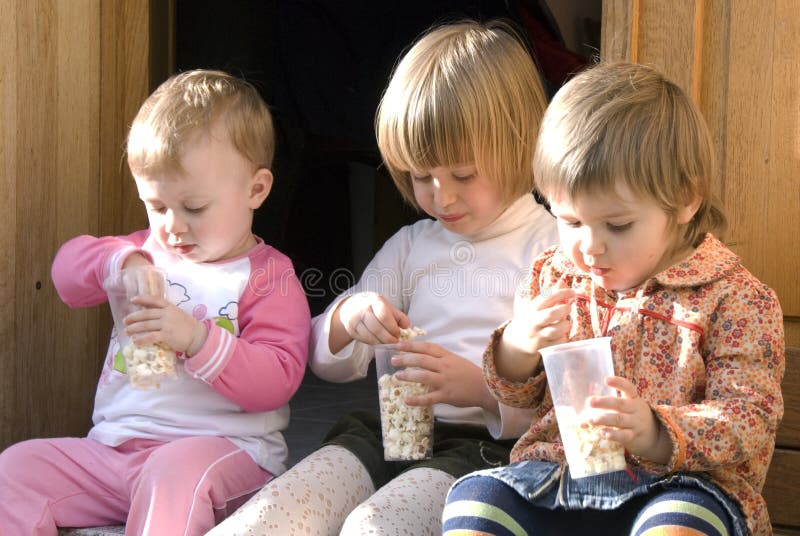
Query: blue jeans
{"points": [[548, 486], [487, 505]]}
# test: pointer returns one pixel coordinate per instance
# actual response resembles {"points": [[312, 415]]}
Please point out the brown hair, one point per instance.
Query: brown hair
{"points": [[465, 92], [627, 122], [189, 103]]}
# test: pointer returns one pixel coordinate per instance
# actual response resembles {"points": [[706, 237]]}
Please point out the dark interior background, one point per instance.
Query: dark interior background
{"points": [[322, 65]]}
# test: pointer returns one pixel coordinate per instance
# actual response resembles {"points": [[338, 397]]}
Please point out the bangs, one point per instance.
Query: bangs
{"points": [[642, 144], [189, 104], [428, 133], [463, 94], [626, 124], [170, 116], [152, 150]]}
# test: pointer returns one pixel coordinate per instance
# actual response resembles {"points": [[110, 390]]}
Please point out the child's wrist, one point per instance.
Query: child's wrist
{"points": [[199, 336]]}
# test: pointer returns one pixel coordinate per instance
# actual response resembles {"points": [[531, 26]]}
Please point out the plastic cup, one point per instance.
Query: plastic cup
{"points": [[146, 366], [576, 371], [407, 430]]}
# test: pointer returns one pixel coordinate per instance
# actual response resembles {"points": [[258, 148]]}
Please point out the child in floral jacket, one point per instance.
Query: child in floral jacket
{"points": [[624, 158]]}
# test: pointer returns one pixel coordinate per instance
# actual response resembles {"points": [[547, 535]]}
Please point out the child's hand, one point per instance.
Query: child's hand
{"points": [[631, 422], [451, 378], [135, 259], [541, 321], [370, 318], [165, 323], [537, 323]]}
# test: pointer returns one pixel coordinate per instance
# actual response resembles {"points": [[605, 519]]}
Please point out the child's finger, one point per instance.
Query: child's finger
{"points": [[143, 315], [377, 329], [390, 317], [421, 347], [145, 326], [613, 403], [623, 385], [550, 297], [402, 319], [150, 301], [419, 361], [554, 314]]}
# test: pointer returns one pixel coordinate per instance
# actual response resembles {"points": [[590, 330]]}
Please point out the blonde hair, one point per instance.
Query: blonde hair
{"points": [[189, 103], [627, 122], [465, 92]]}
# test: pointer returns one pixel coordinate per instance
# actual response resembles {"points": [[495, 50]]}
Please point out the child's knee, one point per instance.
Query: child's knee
{"points": [[362, 517], [682, 512], [476, 487], [18, 461]]}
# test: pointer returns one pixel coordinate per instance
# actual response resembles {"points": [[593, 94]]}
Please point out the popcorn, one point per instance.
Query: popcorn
{"points": [[406, 334], [407, 430], [148, 365], [588, 452]]}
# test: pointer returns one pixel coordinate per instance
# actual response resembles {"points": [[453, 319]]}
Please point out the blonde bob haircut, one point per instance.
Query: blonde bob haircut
{"points": [[188, 104], [464, 93], [627, 122]]}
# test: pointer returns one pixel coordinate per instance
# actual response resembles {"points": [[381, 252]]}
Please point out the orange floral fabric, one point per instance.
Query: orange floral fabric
{"points": [[703, 342]]}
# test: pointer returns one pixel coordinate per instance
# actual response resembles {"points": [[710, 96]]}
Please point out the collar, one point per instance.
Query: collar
{"points": [[518, 213]]}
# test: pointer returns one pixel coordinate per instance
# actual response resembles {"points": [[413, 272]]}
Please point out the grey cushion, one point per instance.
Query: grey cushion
{"points": [[93, 531]]}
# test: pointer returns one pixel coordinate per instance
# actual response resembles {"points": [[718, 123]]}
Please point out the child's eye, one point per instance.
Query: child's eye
{"points": [[464, 178], [196, 210], [421, 178], [619, 228], [157, 210]]}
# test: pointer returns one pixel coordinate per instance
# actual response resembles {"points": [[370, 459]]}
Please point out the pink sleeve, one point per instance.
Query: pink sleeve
{"points": [[262, 368], [83, 263]]}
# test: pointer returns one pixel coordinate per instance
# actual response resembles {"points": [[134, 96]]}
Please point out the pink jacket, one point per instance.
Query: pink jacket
{"points": [[703, 343]]}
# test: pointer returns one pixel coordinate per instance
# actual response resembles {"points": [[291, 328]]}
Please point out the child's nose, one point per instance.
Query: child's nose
{"points": [[591, 242], [443, 193], [174, 224]]}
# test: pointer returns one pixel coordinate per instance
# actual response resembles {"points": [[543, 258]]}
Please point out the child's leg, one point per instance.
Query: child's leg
{"points": [[186, 485], [682, 512], [482, 505], [68, 482], [313, 497], [409, 504]]}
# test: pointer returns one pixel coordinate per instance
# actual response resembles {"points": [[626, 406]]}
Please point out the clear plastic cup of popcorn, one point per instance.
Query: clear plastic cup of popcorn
{"points": [[407, 430], [147, 366], [576, 371]]}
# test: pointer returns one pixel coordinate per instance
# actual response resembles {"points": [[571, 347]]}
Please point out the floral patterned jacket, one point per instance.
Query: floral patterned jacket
{"points": [[703, 342]]}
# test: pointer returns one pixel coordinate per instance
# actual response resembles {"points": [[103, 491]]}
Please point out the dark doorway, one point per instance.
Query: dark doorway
{"points": [[322, 65]]}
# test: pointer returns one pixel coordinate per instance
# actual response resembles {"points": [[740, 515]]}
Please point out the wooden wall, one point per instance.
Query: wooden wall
{"points": [[741, 62], [72, 75]]}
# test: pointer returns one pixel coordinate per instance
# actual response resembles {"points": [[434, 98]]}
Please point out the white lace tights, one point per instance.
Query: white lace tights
{"points": [[330, 491]]}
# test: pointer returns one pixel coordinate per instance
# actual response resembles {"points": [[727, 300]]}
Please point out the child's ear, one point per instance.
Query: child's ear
{"points": [[687, 212], [260, 187]]}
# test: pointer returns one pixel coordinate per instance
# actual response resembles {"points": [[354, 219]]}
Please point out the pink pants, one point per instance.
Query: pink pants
{"points": [[181, 487]]}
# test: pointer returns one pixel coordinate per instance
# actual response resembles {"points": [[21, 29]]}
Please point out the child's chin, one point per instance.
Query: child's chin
{"points": [[604, 282], [191, 256]]}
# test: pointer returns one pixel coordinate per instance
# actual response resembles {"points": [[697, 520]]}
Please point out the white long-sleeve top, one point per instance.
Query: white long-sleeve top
{"points": [[457, 288]]}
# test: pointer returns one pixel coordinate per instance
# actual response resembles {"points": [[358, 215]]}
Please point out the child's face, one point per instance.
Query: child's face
{"points": [[620, 240], [206, 214], [463, 201]]}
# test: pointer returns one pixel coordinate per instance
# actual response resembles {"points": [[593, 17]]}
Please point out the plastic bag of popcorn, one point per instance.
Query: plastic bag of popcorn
{"points": [[146, 366], [407, 430]]}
